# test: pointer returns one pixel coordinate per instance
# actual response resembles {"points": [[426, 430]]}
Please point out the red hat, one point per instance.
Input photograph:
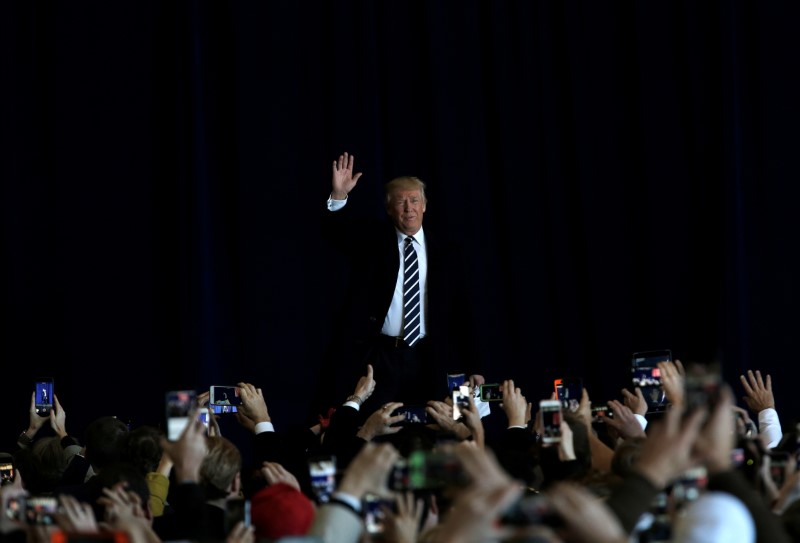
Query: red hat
{"points": [[280, 510]]}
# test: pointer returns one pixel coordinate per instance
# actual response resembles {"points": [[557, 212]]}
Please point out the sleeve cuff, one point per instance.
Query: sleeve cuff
{"points": [[262, 427], [642, 420], [348, 500]]}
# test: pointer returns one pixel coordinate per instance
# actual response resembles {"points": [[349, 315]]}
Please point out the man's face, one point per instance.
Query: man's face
{"points": [[406, 208]]}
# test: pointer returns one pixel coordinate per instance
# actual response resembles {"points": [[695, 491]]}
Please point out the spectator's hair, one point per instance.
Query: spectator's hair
{"points": [[104, 438], [625, 456], [404, 183], [143, 448], [219, 468], [42, 466], [113, 473]]}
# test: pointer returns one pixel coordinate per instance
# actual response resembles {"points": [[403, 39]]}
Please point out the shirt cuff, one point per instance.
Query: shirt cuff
{"points": [[262, 427], [642, 421], [354, 405], [335, 205], [348, 500]]}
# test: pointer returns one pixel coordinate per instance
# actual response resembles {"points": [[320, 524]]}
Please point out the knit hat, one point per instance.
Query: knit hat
{"points": [[280, 510], [714, 517]]}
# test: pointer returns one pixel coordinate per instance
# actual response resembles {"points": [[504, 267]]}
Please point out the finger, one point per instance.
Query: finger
{"points": [[769, 382], [369, 371], [680, 368], [746, 385], [759, 380]]}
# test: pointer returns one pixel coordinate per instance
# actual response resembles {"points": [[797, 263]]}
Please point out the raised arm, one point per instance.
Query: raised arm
{"points": [[343, 178], [761, 400]]}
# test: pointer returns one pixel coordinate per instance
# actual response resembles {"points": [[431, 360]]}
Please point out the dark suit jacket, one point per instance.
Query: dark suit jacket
{"points": [[370, 247]]}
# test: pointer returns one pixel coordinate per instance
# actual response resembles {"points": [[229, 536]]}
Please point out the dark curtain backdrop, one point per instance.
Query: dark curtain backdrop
{"points": [[625, 173]]}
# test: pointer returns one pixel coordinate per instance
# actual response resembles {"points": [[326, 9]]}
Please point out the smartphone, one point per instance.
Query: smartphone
{"points": [[415, 414], [492, 392], [203, 417], [646, 375], [569, 391], [601, 412], [455, 380], [7, 472], [551, 420], [44, 396], [434, 469], [179, 406], [322, 470], [460, 400], [236, 510], [374, 511], [33, 510], [702, 385], [737, 456], [224, 399]]}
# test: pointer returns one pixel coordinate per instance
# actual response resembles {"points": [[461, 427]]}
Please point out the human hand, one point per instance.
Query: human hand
{"points": [[476, 380], [188, 452], [566, 445], [667, 452], [442, 415], [672, 380], [635, 401], [745, 427], [380, 422], [253, 405], [476, 508], [35, 421], [75, 517], [241, 534], [275, 473], [584, 411], [58, 419], [121, 504], [369, 470], [402, 526], [366, 385], [714, 445], [343, 179], [472, 421], [587, 519], [514, 404], [758, 393], [623, 421]]}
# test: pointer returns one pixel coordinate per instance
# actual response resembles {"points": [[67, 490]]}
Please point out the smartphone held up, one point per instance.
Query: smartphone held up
{"points": [[550, 411]]}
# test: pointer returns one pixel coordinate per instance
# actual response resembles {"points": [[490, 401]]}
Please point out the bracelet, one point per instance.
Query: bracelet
{"points": [[354, 398], [24, 438]]}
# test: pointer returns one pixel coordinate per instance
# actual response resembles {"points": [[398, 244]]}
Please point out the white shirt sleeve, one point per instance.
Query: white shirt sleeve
{"points": [[769, 428], [264, 427], [642, 421], [335, 205]]}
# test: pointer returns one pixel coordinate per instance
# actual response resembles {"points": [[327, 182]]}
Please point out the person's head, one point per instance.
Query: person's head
{"points": [[103, 440], [406, 203], [220, 471], [41, 466], [143, 448], [280, 510], [112, 474], [625, 456]]}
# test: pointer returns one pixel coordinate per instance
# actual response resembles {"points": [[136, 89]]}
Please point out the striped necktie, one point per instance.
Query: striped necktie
{"points": [[411, 307]]}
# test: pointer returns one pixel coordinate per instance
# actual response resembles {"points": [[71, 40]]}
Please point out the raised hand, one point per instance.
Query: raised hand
{"points": [[343, 178], [402, 526], [758, 392], [58, 419], [672, 379], [380, 422]]}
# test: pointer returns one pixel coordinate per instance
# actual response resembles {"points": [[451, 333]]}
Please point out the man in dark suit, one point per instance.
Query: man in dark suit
{"points": [[406, 310]]}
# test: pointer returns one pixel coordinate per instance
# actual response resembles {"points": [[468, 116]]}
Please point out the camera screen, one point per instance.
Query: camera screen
{"points": [[39, 510], [6, 473], [460, 401], [415, 414], [179, 404], [224, 399], [44, 396], [491, 393], [569, 391], [323, 477], [374, 512], [551, 421]]}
